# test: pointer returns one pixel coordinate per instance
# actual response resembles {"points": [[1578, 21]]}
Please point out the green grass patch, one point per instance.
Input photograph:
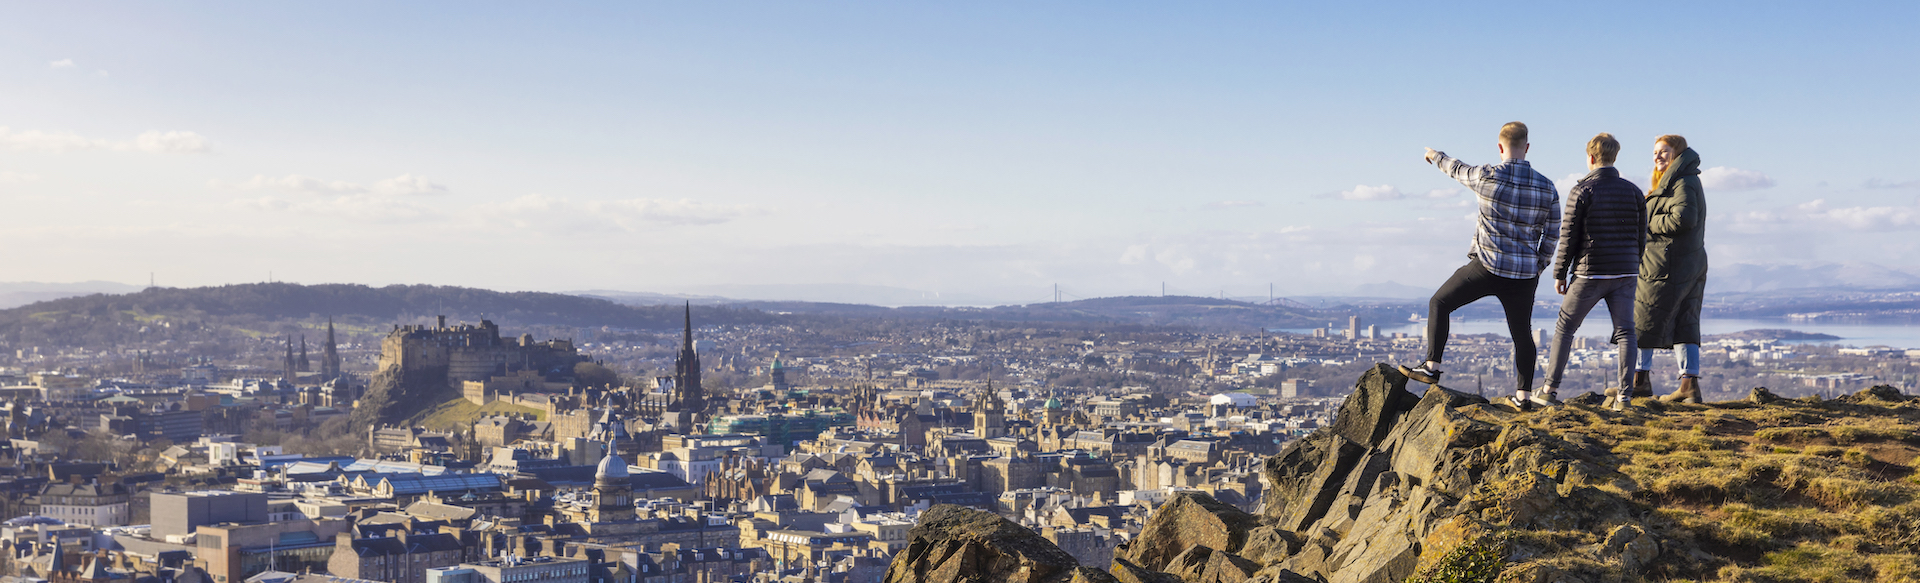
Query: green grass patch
{"points": [[1790, 434], [1473, 562], [459, 414]]}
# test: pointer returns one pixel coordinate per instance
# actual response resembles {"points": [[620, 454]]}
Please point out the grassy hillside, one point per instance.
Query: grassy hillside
{"points": [[1786, 490], [459, 414]]}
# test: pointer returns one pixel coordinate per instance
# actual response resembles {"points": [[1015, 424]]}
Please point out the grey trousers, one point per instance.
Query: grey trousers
{"points": [[1582, 294]]}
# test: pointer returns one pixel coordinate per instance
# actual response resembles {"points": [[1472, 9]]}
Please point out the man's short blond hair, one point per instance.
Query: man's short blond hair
{"points": [[1679, 143], [1604, 148], [1514, 134]]}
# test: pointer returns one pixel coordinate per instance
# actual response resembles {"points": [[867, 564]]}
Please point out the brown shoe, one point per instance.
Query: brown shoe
{"points": [[1642, 383], [1689, 391]]}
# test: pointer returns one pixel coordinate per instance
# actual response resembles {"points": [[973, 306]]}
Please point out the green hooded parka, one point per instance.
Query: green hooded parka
{"points": [[1673, 269]]}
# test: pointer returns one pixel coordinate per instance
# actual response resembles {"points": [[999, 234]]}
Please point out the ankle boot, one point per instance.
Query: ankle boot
{"points": [[1689, 391], [1642, 383]]}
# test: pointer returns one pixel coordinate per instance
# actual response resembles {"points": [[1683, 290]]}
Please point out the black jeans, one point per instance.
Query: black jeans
{"points": [[1472, 282]]}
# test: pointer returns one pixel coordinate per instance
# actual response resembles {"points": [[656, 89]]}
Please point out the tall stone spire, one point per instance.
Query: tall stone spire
{"points": [[686, 371], [303, 364], [329, 356], [288, 363]]}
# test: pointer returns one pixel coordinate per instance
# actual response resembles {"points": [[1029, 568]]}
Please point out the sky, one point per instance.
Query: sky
{"points": [[973, 152]]}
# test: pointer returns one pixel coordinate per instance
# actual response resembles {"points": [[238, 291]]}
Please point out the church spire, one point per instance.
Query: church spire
{"points": [[687, 336], [690, 397], [329, 356]]}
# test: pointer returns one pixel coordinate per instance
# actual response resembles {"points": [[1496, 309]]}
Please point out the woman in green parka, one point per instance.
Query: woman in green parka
{"points": [[1673, 269]]}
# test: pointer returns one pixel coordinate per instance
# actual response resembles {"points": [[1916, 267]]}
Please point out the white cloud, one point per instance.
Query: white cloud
{"points": [[388, 200], [11, 177], [1815, 215], [1566, 184], [170, 142], [406, 184], [1443, 193], [402, 185], [1230, 204], [1878, 183], [671, 212], [359, 207], [158, 142], [541, 211], [61, 64], [1364, 192], [294, 183], [1728, 178]]}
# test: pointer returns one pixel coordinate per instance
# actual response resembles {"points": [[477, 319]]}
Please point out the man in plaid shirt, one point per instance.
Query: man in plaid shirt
{"points": [[1514, 236]]}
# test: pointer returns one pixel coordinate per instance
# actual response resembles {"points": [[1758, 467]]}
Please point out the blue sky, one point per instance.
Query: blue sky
{"points": [[986, 149]]}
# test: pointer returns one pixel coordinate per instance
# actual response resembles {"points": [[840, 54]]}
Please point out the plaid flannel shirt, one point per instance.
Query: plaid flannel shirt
{"points": [[1518, 225]]}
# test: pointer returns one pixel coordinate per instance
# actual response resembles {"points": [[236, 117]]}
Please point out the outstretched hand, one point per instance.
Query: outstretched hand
{"points": [[1430, 154]]}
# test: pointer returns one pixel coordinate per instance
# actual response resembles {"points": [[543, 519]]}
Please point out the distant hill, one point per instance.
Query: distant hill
{"points": [[20, 293], [108, 319], [1752, 278], [1154, 310], [852, 294]]}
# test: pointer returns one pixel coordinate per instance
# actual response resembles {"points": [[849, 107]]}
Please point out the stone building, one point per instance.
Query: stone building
{"points": [[398, 552], [91, 504], [456, 354]]}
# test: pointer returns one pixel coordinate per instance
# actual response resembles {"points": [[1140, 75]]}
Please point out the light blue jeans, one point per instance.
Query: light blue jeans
{"points": [[1689, 355]]}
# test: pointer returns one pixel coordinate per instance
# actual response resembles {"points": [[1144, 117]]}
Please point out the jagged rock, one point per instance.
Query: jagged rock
{"points": [[1187, 520], [1537, 573], [1879, 393], [1091, 575], [1630, 546], [1201, 564], [1275, 574], [1437, 446], [1383, 550], [1311, 561], [1301, 476], [1125, 571], [1267, 544], [954, 544], [1377, 401], [1516, 500], [1762, 396]]}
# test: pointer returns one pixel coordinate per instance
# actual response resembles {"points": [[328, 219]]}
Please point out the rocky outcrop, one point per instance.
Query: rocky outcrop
{"points": [[1392, 488], [1188, 520], [954, 544], [1449, 487]]}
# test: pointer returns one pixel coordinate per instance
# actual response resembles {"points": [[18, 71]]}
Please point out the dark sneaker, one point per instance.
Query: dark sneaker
{"points": [[1421, 373], [1524, 405], [1546, 398]]}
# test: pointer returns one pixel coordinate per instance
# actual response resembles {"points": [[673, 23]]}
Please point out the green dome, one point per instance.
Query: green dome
{"points": [[1052, 403]]}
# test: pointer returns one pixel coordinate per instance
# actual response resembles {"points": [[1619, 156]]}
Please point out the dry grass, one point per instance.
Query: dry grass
{"points": [[1792, 491]]}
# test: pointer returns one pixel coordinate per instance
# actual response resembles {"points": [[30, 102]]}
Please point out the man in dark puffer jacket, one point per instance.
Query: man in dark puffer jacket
{"points": [[1601, 239]]}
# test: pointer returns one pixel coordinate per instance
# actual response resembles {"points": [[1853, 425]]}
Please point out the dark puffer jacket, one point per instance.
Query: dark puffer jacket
{"points": [[1606, 227]]}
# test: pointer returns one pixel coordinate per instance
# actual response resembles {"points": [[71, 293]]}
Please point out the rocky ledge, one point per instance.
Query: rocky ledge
{"points": [[1447, 487]]}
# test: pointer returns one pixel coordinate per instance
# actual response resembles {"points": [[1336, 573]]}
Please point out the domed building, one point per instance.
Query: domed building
{"points": [[612, 489]]}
